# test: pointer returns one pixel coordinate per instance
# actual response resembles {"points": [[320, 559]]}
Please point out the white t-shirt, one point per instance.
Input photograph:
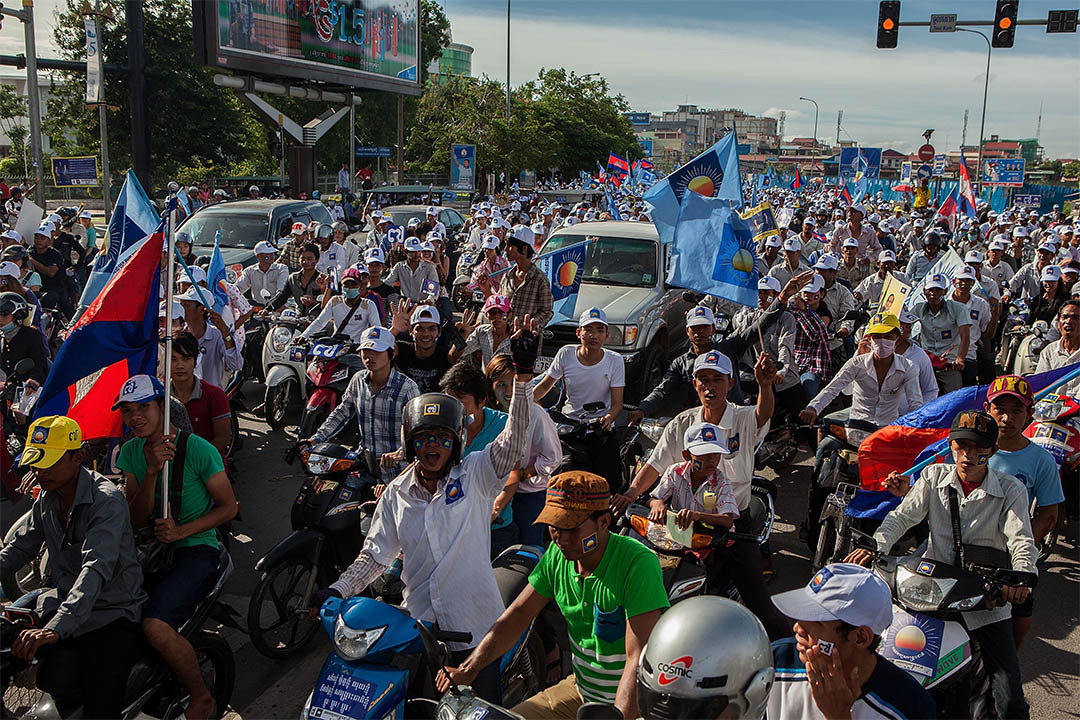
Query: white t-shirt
{"points": [[587, 384]]}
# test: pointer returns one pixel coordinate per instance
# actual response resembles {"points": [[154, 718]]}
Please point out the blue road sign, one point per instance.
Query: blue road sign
{"points": [[372, 151], [74, 171]]}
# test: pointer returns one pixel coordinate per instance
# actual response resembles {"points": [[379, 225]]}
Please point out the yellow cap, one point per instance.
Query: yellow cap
{"points": [[48, 439], [883, 323]]}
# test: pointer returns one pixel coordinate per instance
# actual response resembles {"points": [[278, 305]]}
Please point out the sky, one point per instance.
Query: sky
{"points": [[762, 55]]}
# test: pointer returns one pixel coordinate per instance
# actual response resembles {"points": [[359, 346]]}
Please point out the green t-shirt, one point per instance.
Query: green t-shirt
{"points": [[201, 463], [626, 583]]}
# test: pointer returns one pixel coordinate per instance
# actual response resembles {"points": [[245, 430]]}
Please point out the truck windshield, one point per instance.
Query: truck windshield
{"points": [[238, 230], [614, 260]]}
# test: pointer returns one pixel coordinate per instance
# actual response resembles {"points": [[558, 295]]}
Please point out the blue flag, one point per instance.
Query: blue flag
{"points": [[613, 207], [564, 268], [713, 251], [134, 218], [216, 278], [713, 173]]}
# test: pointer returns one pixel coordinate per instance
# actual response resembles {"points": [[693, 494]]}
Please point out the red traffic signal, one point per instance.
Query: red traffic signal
{"points": [[1004, 24], [888, 28]]}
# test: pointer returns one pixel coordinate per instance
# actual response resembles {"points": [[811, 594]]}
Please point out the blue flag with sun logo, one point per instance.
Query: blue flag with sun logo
{"points": [[712, 174], [564, 267], [713, 251]]}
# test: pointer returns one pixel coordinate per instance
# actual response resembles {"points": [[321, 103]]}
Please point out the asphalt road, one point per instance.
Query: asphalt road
{"points": [[266, 487]]}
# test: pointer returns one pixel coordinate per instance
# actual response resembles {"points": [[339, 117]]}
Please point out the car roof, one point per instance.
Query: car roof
{"points": [[412, 208], [615, 228], [257, 206]]}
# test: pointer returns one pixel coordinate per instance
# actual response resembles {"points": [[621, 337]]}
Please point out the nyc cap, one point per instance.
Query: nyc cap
{"points": [[377, 338], [841, 591], [713, 360], [704, 439], [699, 315], [139, 389], [48, 439], [1013, 385]]}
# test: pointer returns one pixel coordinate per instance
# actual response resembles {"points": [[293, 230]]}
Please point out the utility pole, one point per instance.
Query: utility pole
{"points": [[352, 147], [400, 175], [839, 117], [140, 128], [506, 181], [33, 95], [106, 189], [963, 132]]}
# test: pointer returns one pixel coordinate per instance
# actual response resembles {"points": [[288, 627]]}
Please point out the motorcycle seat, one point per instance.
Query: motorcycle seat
{"points": [[512, 568]]}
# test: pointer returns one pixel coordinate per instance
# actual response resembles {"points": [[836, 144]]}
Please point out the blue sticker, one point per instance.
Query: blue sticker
{"points": [[454, 491], [588, 544], [820, 579], [946, 334], [974, 314], [733, 443], [926, 568], [345, 494], [41, 434], [913, 642]]}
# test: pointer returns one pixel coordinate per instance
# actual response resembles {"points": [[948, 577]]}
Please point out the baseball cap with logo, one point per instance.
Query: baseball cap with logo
{"points": [[841, 591], [938, 281], [48, 439], [413, 245], [424, 314], [1050, 273], [793, 244], [886, 256], [377, 338], [976, 426], [713, 360], [973, 256], [491, 242], [704, 439], [1011, 385], [883, 323], [816, 284], [966, 273], [139, 389], [768, 282], [264, 248], [572, 497], [849, 242], [592, 315], [699, 315], [375, 254], [9, 269], [772, 241], [826, 262]]}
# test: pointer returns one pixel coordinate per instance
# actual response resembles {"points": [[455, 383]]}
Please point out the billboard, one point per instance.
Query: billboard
{"points": [[75, 171], [849, 162], [1003, 171], [640, 118], [463, 167], [356, 43]]}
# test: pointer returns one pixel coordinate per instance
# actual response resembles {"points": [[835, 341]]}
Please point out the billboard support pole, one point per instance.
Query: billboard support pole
{"points": [[33, 99], [352, 145], [140, 128], [399, 174]]}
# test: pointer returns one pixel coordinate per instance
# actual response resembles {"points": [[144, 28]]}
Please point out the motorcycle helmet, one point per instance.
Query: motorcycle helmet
{"points": [[14, 304], [685, 673], [434, 411], [324, 231]]}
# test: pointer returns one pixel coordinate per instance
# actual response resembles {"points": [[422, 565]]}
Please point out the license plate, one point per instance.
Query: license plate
{"points": [[542, 364]]}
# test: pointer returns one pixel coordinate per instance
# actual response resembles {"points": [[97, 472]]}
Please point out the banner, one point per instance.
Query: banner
{"points": [[564, 268], [463, 167], [94, 74], [893, 295], [761, 221]]}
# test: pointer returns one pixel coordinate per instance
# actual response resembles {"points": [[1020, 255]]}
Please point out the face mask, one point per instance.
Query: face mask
{"points": [[9, 329], [350, 293], [883, 348]]}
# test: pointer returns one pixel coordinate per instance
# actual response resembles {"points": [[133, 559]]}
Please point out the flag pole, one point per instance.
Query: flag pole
{"points": [[169, 289]]}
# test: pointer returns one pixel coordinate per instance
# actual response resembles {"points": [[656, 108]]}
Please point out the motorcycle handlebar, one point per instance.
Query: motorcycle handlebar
{"points": [[452, 636]]}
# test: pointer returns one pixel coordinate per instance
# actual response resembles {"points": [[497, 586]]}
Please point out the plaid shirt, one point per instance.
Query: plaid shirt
{"points": [[380, 415], [290, 255], [811, 342], [531, 297]]}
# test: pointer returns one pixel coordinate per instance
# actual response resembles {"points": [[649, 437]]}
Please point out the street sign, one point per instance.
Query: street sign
{"points": [[939, 166], [924, 172], [1031, 200], [74, 171], [943, 23], [926, 153], [1062, 21], [638, 118], [372, 151], [905, 172], [1003, 171]]}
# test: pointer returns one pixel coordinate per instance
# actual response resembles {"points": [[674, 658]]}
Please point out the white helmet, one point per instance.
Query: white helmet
{"points": [[685, 672]]}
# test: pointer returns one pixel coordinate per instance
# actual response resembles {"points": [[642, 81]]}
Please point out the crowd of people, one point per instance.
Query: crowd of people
{"points": [[471, 462]]}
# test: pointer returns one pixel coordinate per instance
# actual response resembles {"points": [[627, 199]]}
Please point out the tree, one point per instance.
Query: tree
{"points": [[13, 109]]}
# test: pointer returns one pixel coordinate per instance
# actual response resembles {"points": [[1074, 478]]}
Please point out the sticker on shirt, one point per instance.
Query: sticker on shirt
{"points": [[454, 491], [974, 314], [733, 443], [609, 626], [946, 334], [913, 642]]}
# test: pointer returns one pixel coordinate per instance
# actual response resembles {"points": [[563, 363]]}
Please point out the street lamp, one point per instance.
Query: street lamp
{"points": [[815, 119], [982, 123]]}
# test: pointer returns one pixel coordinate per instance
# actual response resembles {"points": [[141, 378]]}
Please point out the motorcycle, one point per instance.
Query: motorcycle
{"points": [[283, 365], [930, 597], [1055, 427], [152, 688], [383, 663], [836, 468], [332, 366], [1016, 330], [1031, 342], [580, 436], [330, 519]]}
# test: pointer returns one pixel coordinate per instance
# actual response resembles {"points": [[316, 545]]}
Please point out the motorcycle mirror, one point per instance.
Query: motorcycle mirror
{"points": [[264, 294], [23, 368]]}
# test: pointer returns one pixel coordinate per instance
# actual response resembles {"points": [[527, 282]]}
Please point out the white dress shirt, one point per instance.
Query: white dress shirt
{"points": [[255, 280], [927, 379], [334, 314], [870, 403]]}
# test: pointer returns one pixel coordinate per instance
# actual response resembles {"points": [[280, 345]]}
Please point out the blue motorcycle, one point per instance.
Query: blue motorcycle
{"points": [[384, 661]]}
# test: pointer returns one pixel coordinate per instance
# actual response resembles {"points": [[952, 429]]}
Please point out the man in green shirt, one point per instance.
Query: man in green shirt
{"points": [[205, 500], [608, 587]]}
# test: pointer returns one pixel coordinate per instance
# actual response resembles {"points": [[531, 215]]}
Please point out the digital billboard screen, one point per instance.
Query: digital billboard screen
{"points": [[358, 43]]}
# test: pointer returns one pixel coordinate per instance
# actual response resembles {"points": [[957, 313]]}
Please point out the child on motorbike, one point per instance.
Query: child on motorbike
{"points": [[697, 489]]}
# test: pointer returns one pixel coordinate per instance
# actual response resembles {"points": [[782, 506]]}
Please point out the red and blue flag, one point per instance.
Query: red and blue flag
{"points": [[614, 162], [114, 339], [843, 194], [797, 182]]}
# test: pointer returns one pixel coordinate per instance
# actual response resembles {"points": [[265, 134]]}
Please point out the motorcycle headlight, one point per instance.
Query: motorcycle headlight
{"points": [[280, 339], [318, 464], [967, 603], [919, 592], [354, 644], [651, 429]]}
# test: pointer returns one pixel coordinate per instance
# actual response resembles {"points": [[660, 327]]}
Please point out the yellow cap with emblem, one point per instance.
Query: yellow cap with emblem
{"points": [[48, 439]]}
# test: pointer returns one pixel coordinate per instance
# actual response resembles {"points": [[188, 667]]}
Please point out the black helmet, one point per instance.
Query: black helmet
{"points": [[434, 411], [14, 304]]}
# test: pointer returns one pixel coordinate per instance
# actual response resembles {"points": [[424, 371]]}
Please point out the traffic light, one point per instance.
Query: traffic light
{"points": [[1004, 23], [888, 24]]}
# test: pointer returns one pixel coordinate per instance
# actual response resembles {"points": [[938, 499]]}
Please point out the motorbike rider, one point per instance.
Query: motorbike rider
{"points": [[19, 340], [333, 257], [811, 246], [812, 321], [348, 313], [207, 406], [840, 301], [982, 320], [217, 346], [779, 337], [996, 267], [993, 512], [1052, 296], [304, 286], [851, 269], [266, 274], [608, 587], [869, 290], [869, 246], [793, 264], [921, 262], [419, 354], [82, 518], [831, 668], [375, 259], [945, 332], [696, 489], [1026, 284], [412, 274], [437, 513], [744, 427], [1009, 401], [909, 349], [200, 500], [1066, 349], [49, 263]]}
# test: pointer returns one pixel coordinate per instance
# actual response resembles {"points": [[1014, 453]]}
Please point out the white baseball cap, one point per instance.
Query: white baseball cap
{"points": [[907, 317], [197, 274], [826, 262], [768, 282], [939, 281], [9, 269], [793, 244], [377, 338], [973, 256], [699, 315], [705, 439], [809, 220], [424, 314], [432, 210], [427, 246], [998, 245], [1019, 232], [1049, 273], [886, 256], [1048, 247], [850, 242], [816, 284], [713, 360], [859, 208], [918, 222], [772, 241], [966, 273], [86, 214], [592, 315], [13, 235], [491, 242], [841, 591], [413, 245], [139, 389], [177, 308], [265, 248]]}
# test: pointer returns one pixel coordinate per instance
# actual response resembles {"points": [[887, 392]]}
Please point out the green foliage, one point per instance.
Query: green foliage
{"points": [[1071, 169]]}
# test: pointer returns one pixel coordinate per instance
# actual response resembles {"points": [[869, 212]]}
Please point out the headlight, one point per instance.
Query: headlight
{"points": [[354, 644], [318, 464], [967, 603], [651, 429], [280, 339], [919, 592]]}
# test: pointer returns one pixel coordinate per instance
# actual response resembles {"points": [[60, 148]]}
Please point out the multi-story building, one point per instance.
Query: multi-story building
{"points": [[759, 133], [456, 60]]}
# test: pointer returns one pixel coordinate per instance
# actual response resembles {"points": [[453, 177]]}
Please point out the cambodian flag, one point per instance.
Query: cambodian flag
{"points": [[797, 182], [114, 339], [614, 162], [923, 433], [965, 198], [844, 195]]}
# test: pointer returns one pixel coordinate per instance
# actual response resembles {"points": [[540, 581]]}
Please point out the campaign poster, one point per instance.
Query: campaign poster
{"points": [[463, 167]]}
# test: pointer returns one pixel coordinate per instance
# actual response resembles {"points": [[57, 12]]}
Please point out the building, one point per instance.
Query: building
{"points": [[754, 134], [455, 61], [17, 79]]}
